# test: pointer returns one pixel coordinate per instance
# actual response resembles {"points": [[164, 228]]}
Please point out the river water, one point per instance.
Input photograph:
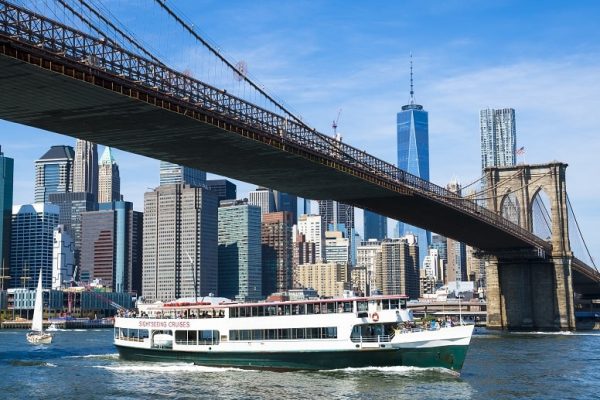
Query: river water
{"points": [[82, 364]]}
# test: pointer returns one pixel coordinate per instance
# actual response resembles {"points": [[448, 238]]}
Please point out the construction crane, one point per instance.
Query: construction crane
{"points": [[334, 125]]}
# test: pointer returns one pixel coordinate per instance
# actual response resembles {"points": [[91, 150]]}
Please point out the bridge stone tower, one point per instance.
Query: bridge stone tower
{"points": [[527, 290]]}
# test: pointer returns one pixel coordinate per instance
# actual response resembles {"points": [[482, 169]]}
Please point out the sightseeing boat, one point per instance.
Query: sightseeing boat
{"points": [[309, 334]]}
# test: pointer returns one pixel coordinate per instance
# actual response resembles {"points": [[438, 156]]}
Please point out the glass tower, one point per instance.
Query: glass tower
{"points": [[498, 137], [413, 156], [174, 173], [54, 172], [240, 251], [375, 226], [7, 167]]}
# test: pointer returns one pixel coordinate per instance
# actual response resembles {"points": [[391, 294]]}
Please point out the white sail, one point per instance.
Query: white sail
{"points": [[36, 324]]}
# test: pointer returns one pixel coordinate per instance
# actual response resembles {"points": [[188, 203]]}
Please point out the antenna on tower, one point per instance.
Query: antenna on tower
{"points": [[334, 125], [412, 91]]}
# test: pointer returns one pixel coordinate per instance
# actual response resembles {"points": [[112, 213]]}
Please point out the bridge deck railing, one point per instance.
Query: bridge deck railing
{"points": [[35, 30]]}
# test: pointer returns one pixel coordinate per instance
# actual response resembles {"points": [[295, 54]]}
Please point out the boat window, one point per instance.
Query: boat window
{"points": [[257, 334], [192, 337], [310, 309], [233, 312], [394, 304], [402, 303], [362, 306], [260, 311], [385, 304], [331, 307], [317, 309], [243, 312], [348, 306], [288, 309], [255, 311], [284, 334]]}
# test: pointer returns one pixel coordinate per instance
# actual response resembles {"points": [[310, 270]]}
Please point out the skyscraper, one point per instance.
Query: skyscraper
{"points": [[240, 251], [498, 137], [174, 173], [109, 181], [180, 243], [375, 225], [62, 257], [112, 246], [335, 214], [54, 172], [286, 202], [71, 205], [398, 268], [263, 198], [413, 155], [85, 168], [7, 167], [225, 190], [311, 226], [277, 250], [32, 233]]}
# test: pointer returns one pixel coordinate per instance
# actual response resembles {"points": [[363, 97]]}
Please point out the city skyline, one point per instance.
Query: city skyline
{"points": [[463, 68]]}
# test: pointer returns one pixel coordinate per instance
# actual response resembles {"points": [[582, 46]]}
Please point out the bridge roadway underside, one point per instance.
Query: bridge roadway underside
{"points": [[71, 105]]}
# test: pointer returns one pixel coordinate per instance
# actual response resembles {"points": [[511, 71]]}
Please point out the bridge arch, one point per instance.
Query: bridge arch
{"points": [[510, 207], [528, 186], [540, 213]]}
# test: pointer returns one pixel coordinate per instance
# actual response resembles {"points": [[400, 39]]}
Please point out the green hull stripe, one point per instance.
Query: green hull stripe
{"points": [[451, 357]]}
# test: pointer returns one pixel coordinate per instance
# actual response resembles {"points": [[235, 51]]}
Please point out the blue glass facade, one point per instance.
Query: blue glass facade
{"points": [[7, 167], [171, 174], [413, 157], [375, 226]]}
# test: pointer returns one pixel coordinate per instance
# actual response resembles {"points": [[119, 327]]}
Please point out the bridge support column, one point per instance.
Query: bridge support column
{"points": [[529, 294]]}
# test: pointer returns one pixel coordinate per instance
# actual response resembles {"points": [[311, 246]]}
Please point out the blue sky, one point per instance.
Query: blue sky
{"points": [[542, 59]]}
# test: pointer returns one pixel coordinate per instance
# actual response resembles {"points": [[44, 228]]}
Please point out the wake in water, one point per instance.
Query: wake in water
{"points": [[164, 368], [31, 363], [113, 356], [397, 370]]}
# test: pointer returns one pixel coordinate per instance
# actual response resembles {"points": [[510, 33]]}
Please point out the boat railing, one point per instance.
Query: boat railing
{"points": [[373, 339]]}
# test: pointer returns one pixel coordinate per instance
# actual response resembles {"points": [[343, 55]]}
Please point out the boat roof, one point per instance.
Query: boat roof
{"points": [[223, 302]]}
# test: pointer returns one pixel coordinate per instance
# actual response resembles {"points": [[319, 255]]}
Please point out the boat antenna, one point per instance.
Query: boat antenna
{"points": [[193, 264]]}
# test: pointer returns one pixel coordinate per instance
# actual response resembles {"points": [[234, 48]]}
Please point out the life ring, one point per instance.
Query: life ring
{"points": [[375, 317]]}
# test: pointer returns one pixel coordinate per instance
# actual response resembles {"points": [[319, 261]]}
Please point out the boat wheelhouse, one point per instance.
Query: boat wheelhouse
{"points": [[309, 334]]}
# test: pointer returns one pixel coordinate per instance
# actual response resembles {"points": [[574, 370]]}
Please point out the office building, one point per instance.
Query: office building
{"points": [[112, 246], [312, 228], [366, 256], [456, 266], [63, 260], [277, 248], [398, 267], [286, 202], [32, 232], [109, 180], [498, 137], [413, 155], [240, 251], [328, 279], [85, 168], [172, 174], [71, 205], [225, 189], [375, 225], [54, 172], [7, 167], [337, 247], [180, 243], [264, 198], [337, 216]]}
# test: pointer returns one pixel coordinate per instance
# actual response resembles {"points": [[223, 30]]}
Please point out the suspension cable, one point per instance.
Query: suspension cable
{"points": [[123, 34], [191, 31], [580, 234]]}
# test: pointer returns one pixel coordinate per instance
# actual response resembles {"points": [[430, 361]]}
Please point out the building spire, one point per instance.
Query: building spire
{"points": [[412, 91]]}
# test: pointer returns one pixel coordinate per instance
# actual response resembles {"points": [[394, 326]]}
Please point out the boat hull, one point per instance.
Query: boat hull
{"points": [[39, 338], [450, 357]]}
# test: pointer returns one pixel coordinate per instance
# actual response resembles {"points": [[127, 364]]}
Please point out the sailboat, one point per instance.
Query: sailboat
{"points": [[37, 334]]}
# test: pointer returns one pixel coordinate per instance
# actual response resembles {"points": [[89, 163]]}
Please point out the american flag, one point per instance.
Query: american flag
{"points": [[520, 151]]}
